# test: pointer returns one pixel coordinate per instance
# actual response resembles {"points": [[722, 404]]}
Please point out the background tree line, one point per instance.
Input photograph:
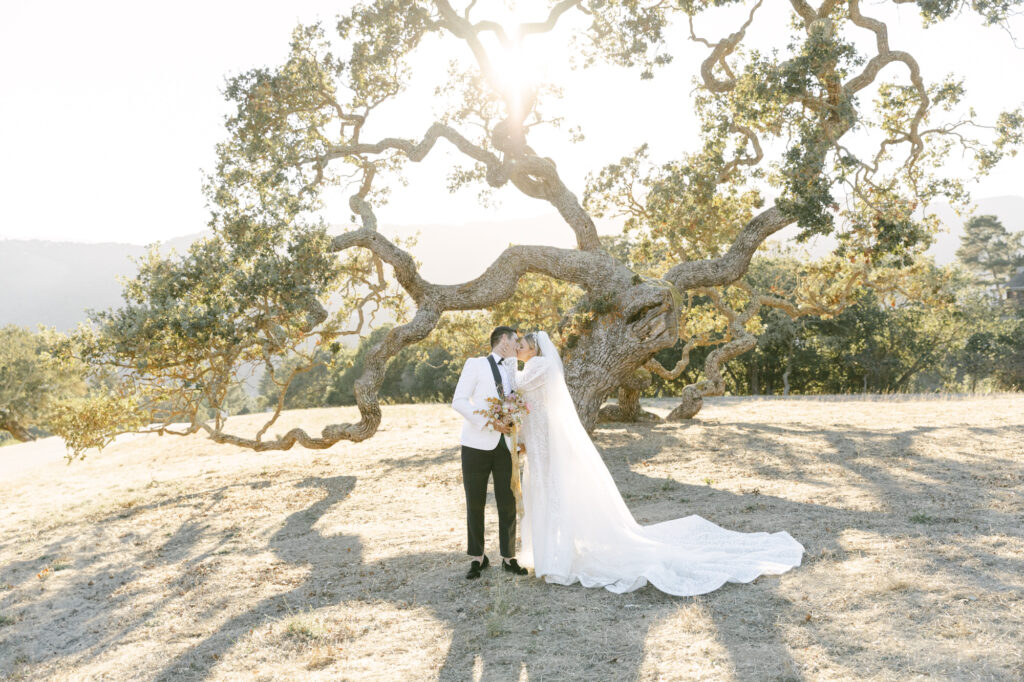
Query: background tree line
{"points": [[971, 338]]}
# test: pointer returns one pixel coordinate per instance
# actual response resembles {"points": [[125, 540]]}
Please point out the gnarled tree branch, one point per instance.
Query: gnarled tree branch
{"points": [[731, 266]]}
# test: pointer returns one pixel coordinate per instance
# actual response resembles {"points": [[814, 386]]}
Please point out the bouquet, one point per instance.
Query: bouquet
{"points": [[510, 410]]}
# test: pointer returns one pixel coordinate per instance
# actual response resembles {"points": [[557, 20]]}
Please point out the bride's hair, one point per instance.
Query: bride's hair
{"points": [[531, 341]]}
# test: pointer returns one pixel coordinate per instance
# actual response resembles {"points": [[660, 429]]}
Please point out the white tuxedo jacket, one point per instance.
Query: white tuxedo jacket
{"points": [[476, 385]]}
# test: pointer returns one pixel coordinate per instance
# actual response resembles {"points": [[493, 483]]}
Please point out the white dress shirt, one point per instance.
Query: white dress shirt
{"points": [[503, 370]]}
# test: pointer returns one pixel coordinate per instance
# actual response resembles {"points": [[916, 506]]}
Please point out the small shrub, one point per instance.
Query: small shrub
{"points": [[502, 606], [305, 628]]}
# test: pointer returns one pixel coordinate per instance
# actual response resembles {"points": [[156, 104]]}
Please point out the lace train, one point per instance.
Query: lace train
{"points": [[577, 528]]}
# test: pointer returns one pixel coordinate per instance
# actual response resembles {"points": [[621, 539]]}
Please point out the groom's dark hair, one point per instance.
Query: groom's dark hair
{"points": [[501, 332]]}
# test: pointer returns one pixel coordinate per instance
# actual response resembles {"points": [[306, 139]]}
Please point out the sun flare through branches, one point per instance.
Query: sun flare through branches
{"points": [[520, 59]]}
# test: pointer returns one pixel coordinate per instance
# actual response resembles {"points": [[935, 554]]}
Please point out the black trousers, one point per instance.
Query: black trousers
{"points": [[477, 467]]}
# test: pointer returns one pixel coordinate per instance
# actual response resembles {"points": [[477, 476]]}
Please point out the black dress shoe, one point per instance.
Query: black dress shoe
{"points": [[512, 566], [476, 567]]}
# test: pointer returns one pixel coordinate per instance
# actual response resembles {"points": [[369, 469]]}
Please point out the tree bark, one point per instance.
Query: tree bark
{"points": [[628, 407], [691, 403], [619, 343]]}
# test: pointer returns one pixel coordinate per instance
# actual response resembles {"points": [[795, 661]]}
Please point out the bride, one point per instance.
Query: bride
{"points": [[576, 527]]}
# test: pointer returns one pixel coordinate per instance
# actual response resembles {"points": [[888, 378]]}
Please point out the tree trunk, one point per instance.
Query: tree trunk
{"points": [[691, 403], [785, 374], [754, 388], [618, 343], [628, 407], [14, 428]]}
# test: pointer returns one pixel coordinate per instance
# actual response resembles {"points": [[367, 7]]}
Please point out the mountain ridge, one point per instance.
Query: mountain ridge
{"points": [[53, 283]]}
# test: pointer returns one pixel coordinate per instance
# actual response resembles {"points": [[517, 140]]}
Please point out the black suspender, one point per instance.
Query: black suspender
{"points": [[498, 383]]}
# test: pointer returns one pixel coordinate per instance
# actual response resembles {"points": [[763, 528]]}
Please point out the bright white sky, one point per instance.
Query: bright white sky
{"points": [[110, 109]]}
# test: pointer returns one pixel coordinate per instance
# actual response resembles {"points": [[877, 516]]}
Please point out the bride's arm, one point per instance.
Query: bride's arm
{"points": [[534, 374]]}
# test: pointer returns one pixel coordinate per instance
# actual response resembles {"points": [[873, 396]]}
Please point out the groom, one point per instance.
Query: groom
{"points": [[485, 449]]}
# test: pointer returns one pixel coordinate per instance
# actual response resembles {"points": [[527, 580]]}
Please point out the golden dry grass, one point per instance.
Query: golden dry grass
{"points": [[177, 559]]}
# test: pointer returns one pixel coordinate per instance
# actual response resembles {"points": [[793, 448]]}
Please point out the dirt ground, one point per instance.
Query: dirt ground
{"points": [[178, 559]]}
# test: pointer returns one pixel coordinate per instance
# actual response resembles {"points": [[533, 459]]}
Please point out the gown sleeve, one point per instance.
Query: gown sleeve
{"points": [[535, 373]]}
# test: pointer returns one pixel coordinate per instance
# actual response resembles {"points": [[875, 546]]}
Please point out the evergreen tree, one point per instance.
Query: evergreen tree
{"points": [[989, 251]]}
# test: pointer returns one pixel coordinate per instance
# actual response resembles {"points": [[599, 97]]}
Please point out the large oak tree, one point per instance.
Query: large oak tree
{"points": [[837, 131]]}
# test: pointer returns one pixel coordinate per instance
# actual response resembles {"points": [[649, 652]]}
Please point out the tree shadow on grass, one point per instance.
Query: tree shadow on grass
{"points": [[502, 625], [78, 618], [905, 493], [295, 543], [499, 624]]}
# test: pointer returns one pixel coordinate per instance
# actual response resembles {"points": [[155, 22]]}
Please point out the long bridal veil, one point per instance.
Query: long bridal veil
{"points": [[592, 536]]}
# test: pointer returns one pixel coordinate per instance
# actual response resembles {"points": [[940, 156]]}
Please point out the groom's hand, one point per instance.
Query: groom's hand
{"points": [[500, 427], [522, 449]]}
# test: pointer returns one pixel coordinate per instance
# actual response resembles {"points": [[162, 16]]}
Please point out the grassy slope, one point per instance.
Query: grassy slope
{"points": [[175, 558]]}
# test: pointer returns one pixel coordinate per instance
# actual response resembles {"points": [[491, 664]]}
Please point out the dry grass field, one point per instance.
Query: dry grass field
{"points": [[177, 559]]}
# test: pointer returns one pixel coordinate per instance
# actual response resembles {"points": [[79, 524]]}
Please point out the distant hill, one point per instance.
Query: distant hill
{"points": [[53, 283]]}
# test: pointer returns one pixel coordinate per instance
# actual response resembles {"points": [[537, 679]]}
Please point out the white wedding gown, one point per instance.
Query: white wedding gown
{"points": [[576, 526]]}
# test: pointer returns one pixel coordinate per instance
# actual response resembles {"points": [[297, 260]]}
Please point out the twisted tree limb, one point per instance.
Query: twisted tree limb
{"points": [[731, 266], [740, 342], [15, 428]]}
